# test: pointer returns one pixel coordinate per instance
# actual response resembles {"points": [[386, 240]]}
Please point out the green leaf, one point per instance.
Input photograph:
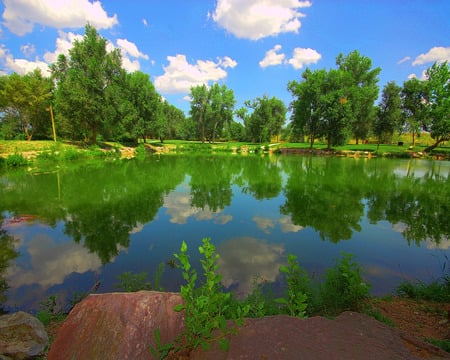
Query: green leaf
{"points": [[179, 307], [224, 344]]}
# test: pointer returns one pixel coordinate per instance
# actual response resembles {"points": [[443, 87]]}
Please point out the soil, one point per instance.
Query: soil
{"points": [[422, 319]]}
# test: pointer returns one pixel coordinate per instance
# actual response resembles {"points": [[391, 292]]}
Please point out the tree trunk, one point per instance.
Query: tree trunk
{"points": [[431, 147]]}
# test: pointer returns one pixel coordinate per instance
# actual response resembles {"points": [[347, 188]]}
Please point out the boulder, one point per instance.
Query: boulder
{"points": [[118, 326], [121, 326], [349, 336], [22, 336]]}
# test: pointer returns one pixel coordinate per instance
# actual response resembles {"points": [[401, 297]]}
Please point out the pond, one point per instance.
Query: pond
{"points": [[78, 226]]}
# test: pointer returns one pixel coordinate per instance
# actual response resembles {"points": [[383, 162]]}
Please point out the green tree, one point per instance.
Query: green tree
{"points": [[438, 80], [266, 119], [306, 106], [89, 71], [389, 112], [413, 106], [362, 91], [211, 109], [24, 103]]}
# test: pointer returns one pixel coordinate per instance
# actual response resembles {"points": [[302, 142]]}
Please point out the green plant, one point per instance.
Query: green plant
{"points": [[343, 288], [130, 282], [207, 308], [443, 344], [16, 160], [297, 279], [49, 310], [437, 290]]}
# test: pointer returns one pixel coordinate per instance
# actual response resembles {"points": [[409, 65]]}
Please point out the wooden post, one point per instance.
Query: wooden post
{"points": [[53, 122]]}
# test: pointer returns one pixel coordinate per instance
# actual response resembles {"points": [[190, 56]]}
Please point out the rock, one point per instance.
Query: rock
{"points": [[118, 326], [350, 336], [22, 336]]}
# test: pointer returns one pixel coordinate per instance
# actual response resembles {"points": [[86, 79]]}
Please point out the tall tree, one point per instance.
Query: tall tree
{"points": [[91, 69], [211, 109], [25, 101], [389, 112], [438, 81], [306, 106], [362, 90], [414, 106], [266, 120]]}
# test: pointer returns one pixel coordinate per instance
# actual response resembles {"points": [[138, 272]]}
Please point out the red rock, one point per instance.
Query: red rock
{"points": [[118, 326], [350, 336]]}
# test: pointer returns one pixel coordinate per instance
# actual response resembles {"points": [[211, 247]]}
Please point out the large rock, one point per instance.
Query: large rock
{"points": [[121, 326], [22, 336], [118, 326], [350, 336]]}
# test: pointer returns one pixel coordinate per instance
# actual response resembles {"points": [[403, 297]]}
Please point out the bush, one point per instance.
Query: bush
{"points": [[16, 160], [343, 288]]}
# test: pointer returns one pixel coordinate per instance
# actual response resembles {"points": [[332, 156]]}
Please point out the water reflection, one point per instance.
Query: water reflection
{"points": [[81, 218], [245, 261], [7, 254]]}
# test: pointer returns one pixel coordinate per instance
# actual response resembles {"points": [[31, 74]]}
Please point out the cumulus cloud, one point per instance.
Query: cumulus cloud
{"points": [[21, 66], [302, 57], [246, 260], [265, 224], [272, 57], [51, 263], [179, 76], [435, 54], [63, 44], [129, 48], [20, 16], [256, 19], [178, 205]]}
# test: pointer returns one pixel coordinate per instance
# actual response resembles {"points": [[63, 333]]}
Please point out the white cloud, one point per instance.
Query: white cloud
{"points": [[21, 66], [303, 57], [130, 48], [412, 76], [144, 21], [20, 16], [64, 43], [256, 19], [405, 59], [272, 57], [179, 76], [436, 54], [28, 49]]}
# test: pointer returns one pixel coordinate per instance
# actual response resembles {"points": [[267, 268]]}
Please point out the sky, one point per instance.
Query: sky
{"points": [[254, 47]]}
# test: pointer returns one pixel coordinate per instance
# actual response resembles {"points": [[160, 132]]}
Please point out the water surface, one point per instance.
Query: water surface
{"points": [[84, 224]]}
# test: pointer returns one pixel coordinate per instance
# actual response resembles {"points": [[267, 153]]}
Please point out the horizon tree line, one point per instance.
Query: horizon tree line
{"points": [[93, 96]]}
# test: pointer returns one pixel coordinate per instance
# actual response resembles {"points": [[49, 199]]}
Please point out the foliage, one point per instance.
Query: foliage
{"points": [[443, 344], [296, 299], [211, 109], [266, 119], [130, 282], [437, 290], [438, 102], [16, 160], [49, 310], [206, 307], [389, 113], [343, 287]]}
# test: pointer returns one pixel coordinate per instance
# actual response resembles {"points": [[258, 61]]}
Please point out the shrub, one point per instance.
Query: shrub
{"points": [[343, 288], [16, 160]]}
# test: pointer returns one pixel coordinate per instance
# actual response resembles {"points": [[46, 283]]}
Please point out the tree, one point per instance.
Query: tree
{"points": [[306, 108], [169, 122], [413, 106], [89, 72], [321, 106], [211, 108], [25, 100], [389, 112], [438, 103], [266, 120], [362, 90]]}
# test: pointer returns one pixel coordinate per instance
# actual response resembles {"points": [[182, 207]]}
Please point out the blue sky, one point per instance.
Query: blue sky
{"points": [[253, 46]]}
